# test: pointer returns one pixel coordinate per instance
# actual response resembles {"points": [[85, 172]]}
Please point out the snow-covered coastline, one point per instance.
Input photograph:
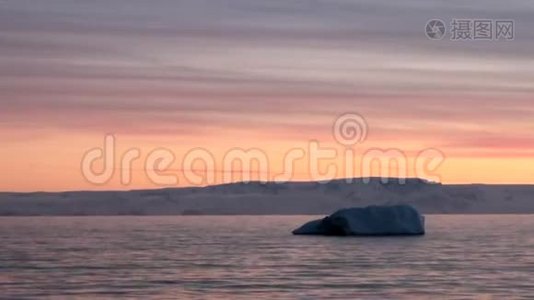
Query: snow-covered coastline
{"points": [[295, 198]]}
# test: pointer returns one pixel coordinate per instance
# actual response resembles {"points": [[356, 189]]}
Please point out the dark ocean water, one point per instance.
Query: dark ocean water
{"points": [[233, 257]]}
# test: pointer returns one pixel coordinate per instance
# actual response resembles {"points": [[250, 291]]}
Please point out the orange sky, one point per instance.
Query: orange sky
{"points": [[271, 76]]}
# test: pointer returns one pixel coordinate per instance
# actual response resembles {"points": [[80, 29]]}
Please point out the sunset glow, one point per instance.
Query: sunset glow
{"points": [[186, 76]]}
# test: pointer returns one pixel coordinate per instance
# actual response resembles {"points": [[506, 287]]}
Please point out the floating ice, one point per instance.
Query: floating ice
{"points": [[371, 220]]}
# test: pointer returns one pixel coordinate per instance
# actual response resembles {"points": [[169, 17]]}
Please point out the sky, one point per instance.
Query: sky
{"points": [[270, 75]]}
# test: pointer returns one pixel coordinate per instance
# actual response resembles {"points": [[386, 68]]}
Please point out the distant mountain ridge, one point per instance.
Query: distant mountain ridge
{"points": [[291, 198]]}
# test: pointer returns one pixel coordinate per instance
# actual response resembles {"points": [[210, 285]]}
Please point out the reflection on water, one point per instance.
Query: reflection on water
{"points": [[256, 256]]}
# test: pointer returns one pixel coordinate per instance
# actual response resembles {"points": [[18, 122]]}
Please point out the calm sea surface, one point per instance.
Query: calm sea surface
{"points": [[233, 257]]}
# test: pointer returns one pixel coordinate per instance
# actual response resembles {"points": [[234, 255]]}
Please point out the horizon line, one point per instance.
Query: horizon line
{"points": [[397, 179]]}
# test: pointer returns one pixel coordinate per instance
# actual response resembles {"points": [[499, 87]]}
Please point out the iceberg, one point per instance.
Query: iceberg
{"points": [[368, 221]]}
